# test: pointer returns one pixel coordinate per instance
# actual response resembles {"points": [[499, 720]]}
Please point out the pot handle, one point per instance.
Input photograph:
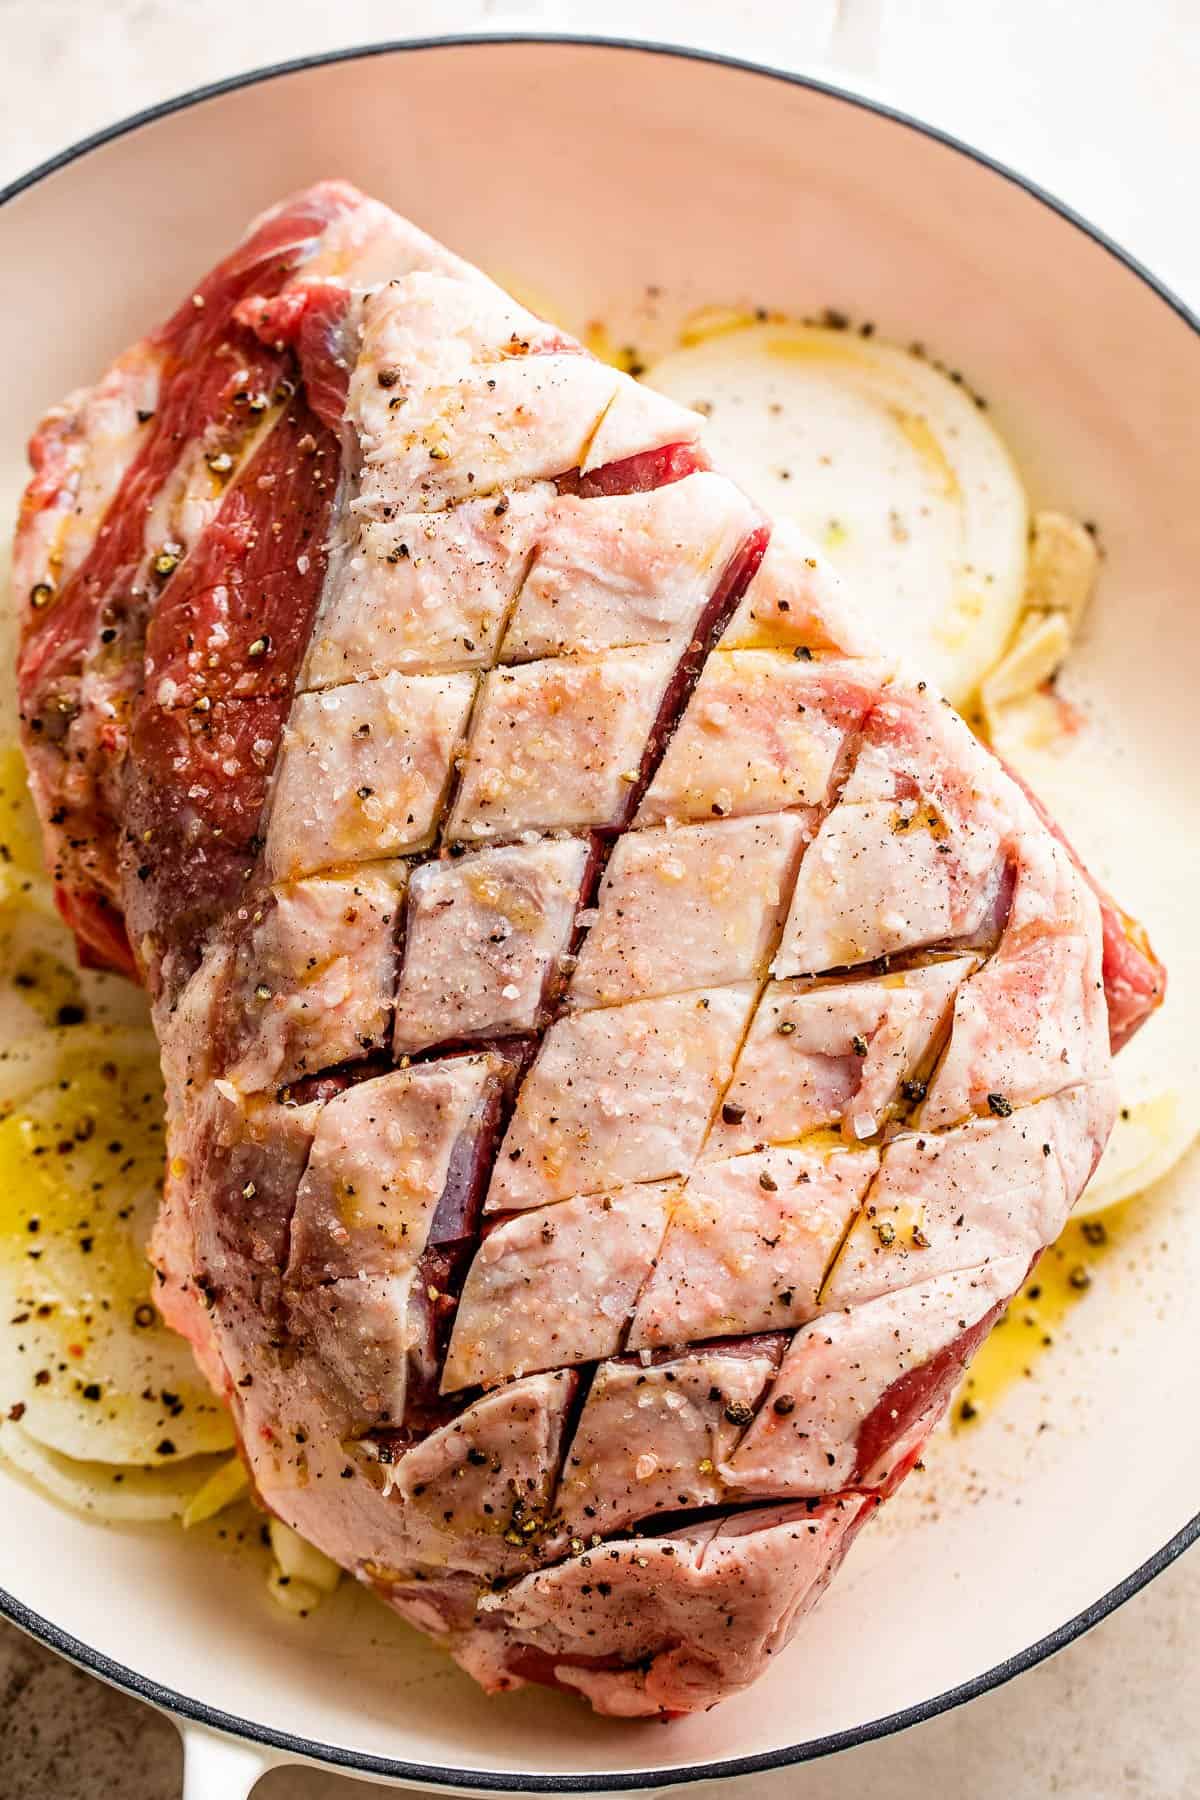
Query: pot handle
{"points": [[216, 1767], [843, 36], [854, 36]]}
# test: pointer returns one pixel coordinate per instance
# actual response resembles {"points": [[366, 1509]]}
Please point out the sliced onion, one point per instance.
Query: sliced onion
{"points": [[301, 1560], [227, 1483], [116, 1496], [83, 1351], [887, 464]]}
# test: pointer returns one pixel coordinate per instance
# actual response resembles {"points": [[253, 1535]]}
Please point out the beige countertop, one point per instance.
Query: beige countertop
{"points": [[1099, 104]]}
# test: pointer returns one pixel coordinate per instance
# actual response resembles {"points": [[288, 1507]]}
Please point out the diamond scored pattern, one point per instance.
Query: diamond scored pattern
{"points": [[717, 1136], [625, 1039]]}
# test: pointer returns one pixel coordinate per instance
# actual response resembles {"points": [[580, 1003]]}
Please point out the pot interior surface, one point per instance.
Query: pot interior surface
{"points": [[630, 186]]}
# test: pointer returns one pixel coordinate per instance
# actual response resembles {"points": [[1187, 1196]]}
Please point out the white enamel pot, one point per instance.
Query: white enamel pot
{"points": [[592, 172]]}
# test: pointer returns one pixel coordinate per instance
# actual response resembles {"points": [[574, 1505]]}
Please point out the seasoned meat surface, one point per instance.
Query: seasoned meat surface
{"points": [[625, 1040]]}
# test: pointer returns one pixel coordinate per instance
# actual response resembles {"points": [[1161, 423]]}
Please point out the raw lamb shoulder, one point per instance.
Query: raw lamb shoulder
{"points": [[625, 1040]]}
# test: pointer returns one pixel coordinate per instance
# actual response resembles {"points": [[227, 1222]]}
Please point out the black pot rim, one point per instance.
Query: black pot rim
{"points": [[334, 1756]]}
